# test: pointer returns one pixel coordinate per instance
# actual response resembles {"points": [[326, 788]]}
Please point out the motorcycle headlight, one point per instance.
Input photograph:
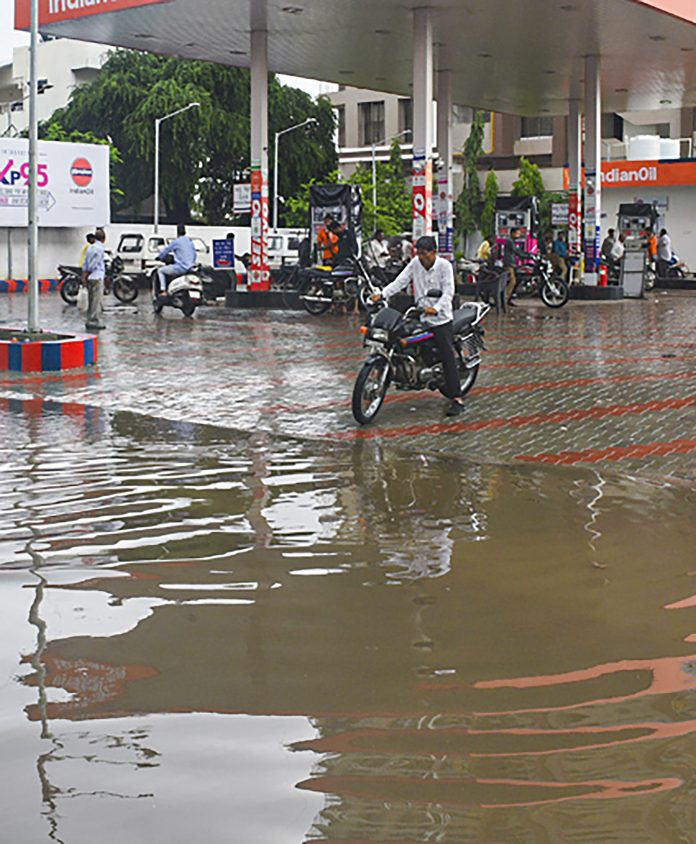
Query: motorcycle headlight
{"points": [[379, 334]]}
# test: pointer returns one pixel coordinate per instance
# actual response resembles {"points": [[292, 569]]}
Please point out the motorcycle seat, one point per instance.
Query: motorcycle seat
{"points": [[463, 318]]}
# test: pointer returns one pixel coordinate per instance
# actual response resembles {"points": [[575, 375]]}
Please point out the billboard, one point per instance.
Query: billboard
{"points": [[73, 184], [54, 11], [647, 174]]}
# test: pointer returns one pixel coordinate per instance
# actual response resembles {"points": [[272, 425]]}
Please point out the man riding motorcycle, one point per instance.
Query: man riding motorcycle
{"points": [[184, 253], [428, 272]]}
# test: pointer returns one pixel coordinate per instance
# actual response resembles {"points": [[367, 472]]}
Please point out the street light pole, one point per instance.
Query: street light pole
{"points": [[374, 166], [308, 122], [33, 222], [158, 123]]}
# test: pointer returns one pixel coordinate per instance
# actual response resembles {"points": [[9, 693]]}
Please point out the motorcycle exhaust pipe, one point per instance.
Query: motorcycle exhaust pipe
{"points": [[316, 299]]}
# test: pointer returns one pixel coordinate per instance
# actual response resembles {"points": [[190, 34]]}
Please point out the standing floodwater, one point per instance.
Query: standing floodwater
{"points": [[244, 639]]}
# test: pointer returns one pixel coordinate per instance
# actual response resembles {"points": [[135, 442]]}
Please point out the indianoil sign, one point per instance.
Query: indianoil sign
{"points": [[645, 174], [55, 11]]}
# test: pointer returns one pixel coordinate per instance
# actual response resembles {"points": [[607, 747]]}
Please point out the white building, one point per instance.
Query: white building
{"points": [[62, 66]]}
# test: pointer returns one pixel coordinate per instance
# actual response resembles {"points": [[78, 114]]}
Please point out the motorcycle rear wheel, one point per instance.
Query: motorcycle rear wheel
{"points": [[314, 288], [69, 290], [554, 292], [125, 290], [370, 389]]}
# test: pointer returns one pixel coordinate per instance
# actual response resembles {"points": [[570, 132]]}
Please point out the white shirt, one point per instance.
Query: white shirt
{"points": [[439, 277], [377, 253], [664, 248], [617, 250]]}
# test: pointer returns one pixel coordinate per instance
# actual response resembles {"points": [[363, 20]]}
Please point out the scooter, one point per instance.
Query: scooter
{"points": [[184, 293]]}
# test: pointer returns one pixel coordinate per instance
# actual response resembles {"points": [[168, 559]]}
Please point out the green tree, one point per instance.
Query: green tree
{"points": [[530, 183], [205, 150], [490, 197], [468, 204], [393, 196]]}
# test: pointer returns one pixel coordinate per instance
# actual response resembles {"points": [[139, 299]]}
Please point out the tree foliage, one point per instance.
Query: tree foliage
{"points": [[490, 197], [204, 151], [468, 205], [393, 195], [529, 182]]}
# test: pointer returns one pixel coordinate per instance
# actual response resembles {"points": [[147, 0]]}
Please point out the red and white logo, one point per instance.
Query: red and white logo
{"points": [[81, 172]]}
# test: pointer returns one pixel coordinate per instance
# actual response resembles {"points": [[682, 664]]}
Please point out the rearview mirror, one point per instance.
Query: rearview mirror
{"points": [[434, 294]]}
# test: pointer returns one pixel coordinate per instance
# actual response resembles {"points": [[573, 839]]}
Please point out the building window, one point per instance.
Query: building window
{"points": [[664, 130], [17, 106], [341, 125], [371, 122], [405, 115], [536, 127]]}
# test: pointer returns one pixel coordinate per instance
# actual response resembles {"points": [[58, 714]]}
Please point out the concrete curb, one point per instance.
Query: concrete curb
{"points": [[61, 352]]}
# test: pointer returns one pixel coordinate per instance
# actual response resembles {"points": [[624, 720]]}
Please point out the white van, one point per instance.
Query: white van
{"points": [[283, 246], [139, 252]]}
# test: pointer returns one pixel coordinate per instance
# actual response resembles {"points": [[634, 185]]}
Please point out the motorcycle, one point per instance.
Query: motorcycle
{"points": [[123, 286], [322, 287], [538, 277], [403, 353]]}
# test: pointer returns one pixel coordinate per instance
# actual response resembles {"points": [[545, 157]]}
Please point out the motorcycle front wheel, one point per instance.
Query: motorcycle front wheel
{"points": [[125, 289], [69, 290], [370, 389], [554, 292], [315, 290]]}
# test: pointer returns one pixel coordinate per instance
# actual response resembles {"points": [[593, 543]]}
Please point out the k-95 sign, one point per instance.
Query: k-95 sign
{"points": [[72, 182]]}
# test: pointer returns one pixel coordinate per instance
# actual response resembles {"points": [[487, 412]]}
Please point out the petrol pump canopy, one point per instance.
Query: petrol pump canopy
{"points": [[516, 56]]}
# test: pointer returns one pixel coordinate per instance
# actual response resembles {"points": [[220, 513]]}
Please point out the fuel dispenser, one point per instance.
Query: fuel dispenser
{"points": [[638, 223], [518, 212]]}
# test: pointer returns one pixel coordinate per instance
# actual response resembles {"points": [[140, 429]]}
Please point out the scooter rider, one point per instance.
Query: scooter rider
{"points": [[427, 271], [184, 258]]}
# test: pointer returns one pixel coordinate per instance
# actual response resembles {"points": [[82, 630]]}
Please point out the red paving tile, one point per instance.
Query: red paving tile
{"points": [[612, 453]]}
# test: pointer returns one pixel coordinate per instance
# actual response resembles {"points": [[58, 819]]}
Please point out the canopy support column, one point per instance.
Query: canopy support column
{"points": [[593, 166], [422, 123], [575, 177], [260, 278], [444, 148]]}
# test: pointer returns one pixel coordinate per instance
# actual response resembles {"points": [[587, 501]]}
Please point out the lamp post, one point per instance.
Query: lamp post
{"points": [[308, 122], [374, 166], [33, 221], [158, 123]]}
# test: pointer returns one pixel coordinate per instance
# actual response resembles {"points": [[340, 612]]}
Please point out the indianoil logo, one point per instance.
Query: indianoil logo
{"points": [[81, 172]]}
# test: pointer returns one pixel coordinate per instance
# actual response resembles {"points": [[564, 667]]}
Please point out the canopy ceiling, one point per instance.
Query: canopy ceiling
{"points": [[516, 56]]}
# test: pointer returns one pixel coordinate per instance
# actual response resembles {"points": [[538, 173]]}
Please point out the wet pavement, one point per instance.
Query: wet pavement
{"points": [[228, 614], [610, 385]]}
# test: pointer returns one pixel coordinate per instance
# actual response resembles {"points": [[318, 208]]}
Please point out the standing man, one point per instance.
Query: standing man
{"points": [[560, 253], [93, 271], [377, 250], [664, 254], [607, 246], [427, 271], [511, 252], [184, 253], [89, 240], [327, 241]]}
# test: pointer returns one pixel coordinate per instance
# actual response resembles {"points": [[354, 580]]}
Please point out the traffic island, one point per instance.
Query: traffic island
{"points": [[44, 351]]}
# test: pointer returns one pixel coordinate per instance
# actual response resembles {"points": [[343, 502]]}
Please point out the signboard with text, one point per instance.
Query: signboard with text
{"points": [[241, 198], [55, 11], [259, 277], [72, 182], [644, 174], [422, 192]]}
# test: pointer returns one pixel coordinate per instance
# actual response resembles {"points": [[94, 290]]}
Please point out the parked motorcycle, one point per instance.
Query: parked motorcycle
{"points": [[538, 277], [322, 287], [123, 286], [403, 353]]}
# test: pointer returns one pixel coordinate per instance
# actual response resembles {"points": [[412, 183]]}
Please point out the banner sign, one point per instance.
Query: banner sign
{"points": [[592, 228], [223, 254], [644, 174], [72, 182], [422, 187], [574, 224], [260, 276], [241, 199], [445, 231], [55, 11], [559, 213]]}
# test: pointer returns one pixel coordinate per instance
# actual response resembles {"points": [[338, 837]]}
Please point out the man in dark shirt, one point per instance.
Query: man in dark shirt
{"points": [[346, 246], [511, 252]]}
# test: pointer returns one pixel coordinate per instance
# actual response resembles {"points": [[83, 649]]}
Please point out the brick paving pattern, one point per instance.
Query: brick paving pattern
{"points": [[601, 385]]}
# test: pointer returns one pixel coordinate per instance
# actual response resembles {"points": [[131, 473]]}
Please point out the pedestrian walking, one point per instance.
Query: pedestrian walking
{"points": [[93, 271], [664, 254], [559, 252], [511, 252]]}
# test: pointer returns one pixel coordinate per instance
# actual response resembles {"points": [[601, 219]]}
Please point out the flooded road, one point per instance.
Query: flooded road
{"points": [[219, 637]]}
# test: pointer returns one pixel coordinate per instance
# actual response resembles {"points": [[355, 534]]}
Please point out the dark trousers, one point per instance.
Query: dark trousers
{"points": [[662, 268], [445, 345]]}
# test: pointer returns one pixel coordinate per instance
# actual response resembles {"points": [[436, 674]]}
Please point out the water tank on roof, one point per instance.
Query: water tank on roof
{"points": [[669, 148], [644, 148]]}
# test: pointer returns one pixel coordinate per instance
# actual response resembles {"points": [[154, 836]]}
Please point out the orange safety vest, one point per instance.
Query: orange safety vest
{"points": [[328, 243]]}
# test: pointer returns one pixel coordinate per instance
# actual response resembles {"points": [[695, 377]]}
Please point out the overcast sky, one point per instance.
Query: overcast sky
{"points": [[9, 39]]}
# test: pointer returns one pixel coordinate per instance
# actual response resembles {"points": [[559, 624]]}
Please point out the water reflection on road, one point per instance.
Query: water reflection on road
{"points": [[237, 638]]}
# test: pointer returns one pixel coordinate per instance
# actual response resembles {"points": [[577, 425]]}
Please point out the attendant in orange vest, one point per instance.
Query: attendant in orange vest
{"points": [[327, 241]]}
